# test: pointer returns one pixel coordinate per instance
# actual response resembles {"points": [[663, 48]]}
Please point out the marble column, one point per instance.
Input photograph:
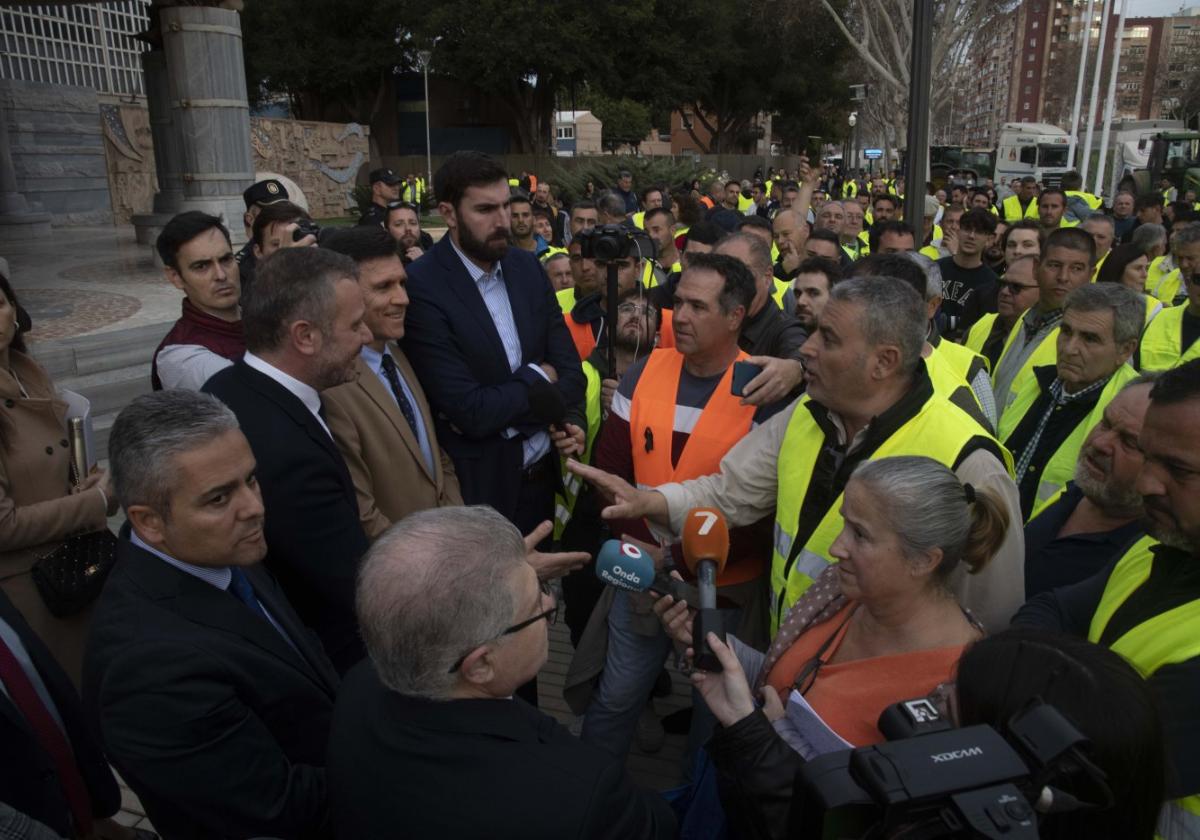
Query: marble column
{"points": [[205, 125]]}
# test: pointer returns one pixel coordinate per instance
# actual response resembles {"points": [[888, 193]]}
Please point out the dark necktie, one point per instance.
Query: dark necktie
{"points": [[25, 697], [393, 377], [240, 586]]}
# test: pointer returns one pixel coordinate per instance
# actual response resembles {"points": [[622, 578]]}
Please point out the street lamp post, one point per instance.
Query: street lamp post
{"points": [[424, 57], [853, 120]]}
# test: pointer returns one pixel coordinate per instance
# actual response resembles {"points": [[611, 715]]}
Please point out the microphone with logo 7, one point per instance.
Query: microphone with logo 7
{"points": [[705, 551]]}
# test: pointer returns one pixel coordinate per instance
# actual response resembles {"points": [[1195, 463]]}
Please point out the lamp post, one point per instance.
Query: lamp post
{"points": [[424, 57], [853, 120]]}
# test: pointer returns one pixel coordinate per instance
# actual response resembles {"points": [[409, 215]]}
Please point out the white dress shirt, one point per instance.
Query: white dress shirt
{"points": [[305, 393], [494, 292]]}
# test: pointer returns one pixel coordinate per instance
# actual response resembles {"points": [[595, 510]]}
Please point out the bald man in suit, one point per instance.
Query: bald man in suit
{"points": [[381, 422]]}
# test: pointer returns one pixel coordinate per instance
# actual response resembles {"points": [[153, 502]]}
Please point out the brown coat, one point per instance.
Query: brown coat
{"points": [[381, 451], [37, 508]]}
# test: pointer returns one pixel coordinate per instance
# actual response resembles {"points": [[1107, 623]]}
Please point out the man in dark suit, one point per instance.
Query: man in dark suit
{"points": [[304, 328], [210, 696], [486, 336], [381, 421], [427, 739], [51, 769]]}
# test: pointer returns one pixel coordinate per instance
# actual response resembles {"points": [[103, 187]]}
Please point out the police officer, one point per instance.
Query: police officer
{"points": [[257, 196], [385, 188]]}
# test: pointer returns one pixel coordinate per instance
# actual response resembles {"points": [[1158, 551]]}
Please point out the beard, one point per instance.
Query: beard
{"points": [[333, 371], [484, 250], [1105, 493], [1169, 533]]}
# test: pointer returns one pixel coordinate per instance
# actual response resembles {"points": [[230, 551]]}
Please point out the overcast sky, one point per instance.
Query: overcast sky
{"points": [[1153, 8]]}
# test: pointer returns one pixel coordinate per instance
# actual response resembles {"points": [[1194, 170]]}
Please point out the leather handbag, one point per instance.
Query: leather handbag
{"points": [[71, 576]]}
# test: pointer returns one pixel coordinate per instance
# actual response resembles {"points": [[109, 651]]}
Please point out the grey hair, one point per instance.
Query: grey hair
{"points": [[293, 284], [760, 252], [1147, 236], [933, 274], [611, 204], [150, 432], [1189, 234], [1102, 217], [1127, 306], [926, 506], [894, 314], [433, 587]]}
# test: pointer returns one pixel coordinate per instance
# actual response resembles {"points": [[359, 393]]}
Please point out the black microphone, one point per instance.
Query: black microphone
{"points": [[546, 403]]}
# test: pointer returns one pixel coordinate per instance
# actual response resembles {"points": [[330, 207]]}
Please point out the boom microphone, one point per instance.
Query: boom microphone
{"points": [[705, 550]]}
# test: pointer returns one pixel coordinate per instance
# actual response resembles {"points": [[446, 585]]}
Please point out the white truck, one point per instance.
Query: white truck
{"points": [[1037, 149], [1131, 147]]}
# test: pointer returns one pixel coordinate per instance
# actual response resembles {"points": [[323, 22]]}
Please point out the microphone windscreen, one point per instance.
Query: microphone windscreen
{"points": [[624, 566], [546, 403], [705, 537]]}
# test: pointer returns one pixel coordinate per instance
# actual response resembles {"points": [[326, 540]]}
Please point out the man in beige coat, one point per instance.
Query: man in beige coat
{"points": [[381, 422]]}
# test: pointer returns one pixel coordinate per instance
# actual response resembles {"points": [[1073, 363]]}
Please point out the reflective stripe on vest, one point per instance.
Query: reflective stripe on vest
{"points": [[1155, 274], [977, 336], [564, 502], [1013, 212], [717, 427], [649, 278], [1162, 343], [1045, 354], [940, 430], [1060, 467], [948, 382], [1168, 287], [1166, 639]]}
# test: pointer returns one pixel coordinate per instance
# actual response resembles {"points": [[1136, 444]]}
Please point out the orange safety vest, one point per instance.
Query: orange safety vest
{"points": [[666, 332], [722, 423], [581, 334], [706, 201]]}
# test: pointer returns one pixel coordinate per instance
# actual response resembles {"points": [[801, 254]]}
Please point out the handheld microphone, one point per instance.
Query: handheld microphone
{"points": [[546, 403], [705, 550], [627, 567]]}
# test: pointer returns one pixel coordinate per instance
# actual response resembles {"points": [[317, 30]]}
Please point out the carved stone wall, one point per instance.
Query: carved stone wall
{"points": [[324, 159], [130, 159]]}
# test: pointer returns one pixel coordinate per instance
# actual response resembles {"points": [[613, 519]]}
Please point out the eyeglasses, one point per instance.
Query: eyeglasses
{"points": [[634, 309], [550, 615], [403, 205], [1015, 288]]}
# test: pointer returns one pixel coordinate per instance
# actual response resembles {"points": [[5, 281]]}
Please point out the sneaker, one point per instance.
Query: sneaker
{"points": [[650, 735]]}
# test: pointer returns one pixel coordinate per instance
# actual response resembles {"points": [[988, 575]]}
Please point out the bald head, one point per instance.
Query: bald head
{"points": [[431, 587]]}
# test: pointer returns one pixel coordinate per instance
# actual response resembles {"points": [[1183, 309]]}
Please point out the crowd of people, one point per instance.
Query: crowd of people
{"points": [[954, 455]]}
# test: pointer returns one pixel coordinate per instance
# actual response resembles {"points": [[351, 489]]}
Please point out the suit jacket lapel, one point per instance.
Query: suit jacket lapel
{"points": [[271, 597], [298, 411], [520, 303], [460, 282], [382, 396], [414, 385], [204, 604]]}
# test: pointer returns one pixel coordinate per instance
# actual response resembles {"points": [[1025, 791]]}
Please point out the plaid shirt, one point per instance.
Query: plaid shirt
{"points": [[1058, 397]]}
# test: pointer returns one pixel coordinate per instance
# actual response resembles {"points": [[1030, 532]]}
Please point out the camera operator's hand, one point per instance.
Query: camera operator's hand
{"points": [[779, 378], [549, 370], [285, 241], [608, 387], [727, 692]]}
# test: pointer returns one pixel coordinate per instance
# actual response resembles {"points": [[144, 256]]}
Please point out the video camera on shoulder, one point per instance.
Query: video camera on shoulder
{"points": [[606, 243], [932, 780]]}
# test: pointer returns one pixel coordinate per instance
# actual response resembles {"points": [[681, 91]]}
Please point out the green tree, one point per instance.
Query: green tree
{"points": [[623, 122]]}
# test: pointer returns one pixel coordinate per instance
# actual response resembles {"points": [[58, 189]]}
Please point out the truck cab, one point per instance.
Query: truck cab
{"points": [[1036, 149]]}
